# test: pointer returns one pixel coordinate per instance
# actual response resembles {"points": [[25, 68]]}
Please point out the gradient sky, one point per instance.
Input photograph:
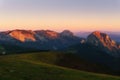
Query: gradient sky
{"points": [[75, 15]]}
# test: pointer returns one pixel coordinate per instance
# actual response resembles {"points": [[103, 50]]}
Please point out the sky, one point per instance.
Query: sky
{"points": [[75, 15]]}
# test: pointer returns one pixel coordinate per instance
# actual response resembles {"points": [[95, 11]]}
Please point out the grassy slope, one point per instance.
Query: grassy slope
{"points": [[40, 66]]}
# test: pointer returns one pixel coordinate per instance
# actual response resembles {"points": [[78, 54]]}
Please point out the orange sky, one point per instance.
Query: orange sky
{"points": [[75, 15], [59, 23]]}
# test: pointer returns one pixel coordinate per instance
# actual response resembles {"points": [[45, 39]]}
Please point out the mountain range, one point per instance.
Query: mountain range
{"points": [[51, 40], [27, 40], [97, 48]]}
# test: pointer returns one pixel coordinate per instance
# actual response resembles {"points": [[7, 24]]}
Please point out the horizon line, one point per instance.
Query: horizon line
{"points": [[61, 30]]}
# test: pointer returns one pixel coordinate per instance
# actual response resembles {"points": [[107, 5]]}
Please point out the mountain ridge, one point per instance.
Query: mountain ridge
{"points": [[23, 35], [51, 40], [38, 40]]}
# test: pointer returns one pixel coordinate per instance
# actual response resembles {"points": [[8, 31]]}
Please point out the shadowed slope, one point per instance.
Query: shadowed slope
{"points": [[39, 67]]}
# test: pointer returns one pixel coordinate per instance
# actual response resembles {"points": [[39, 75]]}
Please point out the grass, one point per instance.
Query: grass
{"points": [[41, 66]]}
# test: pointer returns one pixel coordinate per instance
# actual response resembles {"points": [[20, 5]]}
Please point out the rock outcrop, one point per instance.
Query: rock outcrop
{"points": [[23, 35]]}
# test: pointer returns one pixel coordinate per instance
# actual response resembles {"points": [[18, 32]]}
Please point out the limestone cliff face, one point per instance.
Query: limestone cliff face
{"points": [[23, 35], [103, 41]]}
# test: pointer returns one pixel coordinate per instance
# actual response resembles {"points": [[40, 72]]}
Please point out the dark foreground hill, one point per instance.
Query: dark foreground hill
{"points": [[43, 66]]}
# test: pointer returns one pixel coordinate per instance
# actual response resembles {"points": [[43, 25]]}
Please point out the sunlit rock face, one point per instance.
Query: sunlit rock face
{"points": [[47, 34], [51, 34], [103, 41], [23, 35]]}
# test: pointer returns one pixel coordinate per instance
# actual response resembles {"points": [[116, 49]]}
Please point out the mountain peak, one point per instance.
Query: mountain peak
{"points": [[103, 41], [23, 35], [98, 37], [97, 33], [67, 33], [101, 35]]}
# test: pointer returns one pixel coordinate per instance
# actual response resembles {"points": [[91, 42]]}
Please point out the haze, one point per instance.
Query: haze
{"points": [[75, 15]]}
